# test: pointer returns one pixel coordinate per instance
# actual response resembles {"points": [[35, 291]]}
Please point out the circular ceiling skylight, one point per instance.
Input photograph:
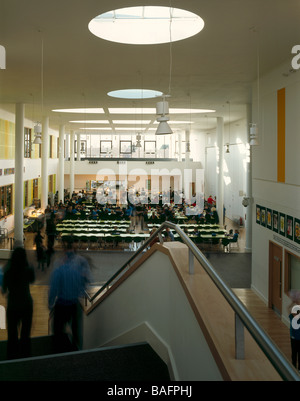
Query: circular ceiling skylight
{"points": [[135, 93], [146, 25]]}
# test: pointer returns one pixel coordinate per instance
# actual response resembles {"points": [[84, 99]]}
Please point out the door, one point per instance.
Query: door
{"points": [[275, 277]]}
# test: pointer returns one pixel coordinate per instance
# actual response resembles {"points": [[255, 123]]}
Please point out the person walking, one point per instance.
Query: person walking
{"points": [[17, 277], [40, 250], [68, 282], [51, 234]]}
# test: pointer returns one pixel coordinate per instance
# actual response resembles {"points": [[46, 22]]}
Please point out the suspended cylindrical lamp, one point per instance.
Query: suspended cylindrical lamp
{"points": [[162, 108]]}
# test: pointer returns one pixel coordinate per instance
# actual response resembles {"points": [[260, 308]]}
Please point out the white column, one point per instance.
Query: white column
{"points": [[67, 146], [187, 145], [61, 163], [248, 222], [78, 147], [44, 169], [179, 148], [19, 173], [220, 160], [72, 162]]}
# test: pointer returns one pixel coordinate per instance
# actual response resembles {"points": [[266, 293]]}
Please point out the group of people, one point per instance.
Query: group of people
{"points": [[78, 205], [70, 278]]}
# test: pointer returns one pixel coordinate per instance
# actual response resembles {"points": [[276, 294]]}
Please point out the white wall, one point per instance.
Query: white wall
{"points": [[234, 167], [157, 298], [267, 192]]}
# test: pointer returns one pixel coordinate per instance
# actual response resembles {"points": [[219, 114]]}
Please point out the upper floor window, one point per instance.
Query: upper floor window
{"points": [[27, 142]]}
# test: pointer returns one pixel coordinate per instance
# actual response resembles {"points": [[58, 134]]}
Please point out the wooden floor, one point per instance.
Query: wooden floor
{"points": [[39, 328], [268, 320]]}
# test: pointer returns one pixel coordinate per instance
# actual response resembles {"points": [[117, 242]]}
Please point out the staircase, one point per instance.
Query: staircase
{"points": [[137, 362]]}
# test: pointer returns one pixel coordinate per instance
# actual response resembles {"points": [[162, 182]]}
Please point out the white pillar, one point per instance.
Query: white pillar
{"points": [[67, 147], [179, 148], [220, 161], [19, 173], [72, 162], [187, 145], [61, 196], [78, 147], [248, 222], [44, 169]]}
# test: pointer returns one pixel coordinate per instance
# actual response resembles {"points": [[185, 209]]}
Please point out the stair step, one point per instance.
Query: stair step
{"points": [[137, 362]]}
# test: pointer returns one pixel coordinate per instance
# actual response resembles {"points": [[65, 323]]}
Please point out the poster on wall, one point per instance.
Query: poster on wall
{"points": [[263, 216], [269, 219], [257, 214], [282, 224], [297, 231], [289, 227], [275, 221]]}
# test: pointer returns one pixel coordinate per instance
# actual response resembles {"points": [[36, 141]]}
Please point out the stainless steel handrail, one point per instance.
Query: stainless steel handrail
{"points": [[275, 356]]}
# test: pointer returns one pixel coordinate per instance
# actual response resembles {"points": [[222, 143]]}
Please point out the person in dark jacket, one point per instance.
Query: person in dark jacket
{"points": [[17, 277]]}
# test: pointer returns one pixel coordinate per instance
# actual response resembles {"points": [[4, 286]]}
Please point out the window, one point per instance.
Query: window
{"points": [[292, 272], [5, 200], [27, 142]]}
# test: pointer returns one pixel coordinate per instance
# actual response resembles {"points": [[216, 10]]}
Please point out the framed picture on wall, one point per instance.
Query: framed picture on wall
{"points": [[269, 219], [263, 217], [282, 224], [150, 147], [275, 221], [105, 147], [125, 147], [297, 231], [258, 214], [289, 227]]}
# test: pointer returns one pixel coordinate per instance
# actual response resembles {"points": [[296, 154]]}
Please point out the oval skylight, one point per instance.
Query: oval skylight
{"points": [[146, 25], [134, 93]]}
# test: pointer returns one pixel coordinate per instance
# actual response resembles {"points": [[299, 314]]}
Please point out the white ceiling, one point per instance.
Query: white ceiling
{"points": [[213, 69]]}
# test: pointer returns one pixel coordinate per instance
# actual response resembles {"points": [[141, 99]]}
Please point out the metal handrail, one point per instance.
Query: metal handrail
{"points": [[275, 356]]}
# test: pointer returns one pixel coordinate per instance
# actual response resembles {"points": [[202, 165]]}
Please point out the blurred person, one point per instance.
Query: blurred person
{"points": [[40, 250], [51, 234], [17, 277], [68, 282]]}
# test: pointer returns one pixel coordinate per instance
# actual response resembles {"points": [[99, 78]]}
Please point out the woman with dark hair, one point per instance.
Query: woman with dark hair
{"points": [[17, 277]]}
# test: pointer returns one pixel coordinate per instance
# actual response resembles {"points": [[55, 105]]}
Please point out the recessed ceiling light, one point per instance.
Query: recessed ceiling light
{"points": [[131, 122], [90, 121], [96, 128], [153, 111], [146, 25], [131, 110], [134, 93], [90, 110]]}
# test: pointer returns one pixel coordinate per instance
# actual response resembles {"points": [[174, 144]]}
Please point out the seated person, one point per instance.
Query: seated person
{"points": [[196, 232], [235, 236], [115, 231], [168, 235]]}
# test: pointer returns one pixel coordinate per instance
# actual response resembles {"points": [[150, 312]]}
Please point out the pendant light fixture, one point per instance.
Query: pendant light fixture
{"points": [[38, 133], [162, 108], [38, 126]]}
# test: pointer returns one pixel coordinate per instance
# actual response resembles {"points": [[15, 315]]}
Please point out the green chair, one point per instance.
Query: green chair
{"points": [[94, 243], [84, 242]]}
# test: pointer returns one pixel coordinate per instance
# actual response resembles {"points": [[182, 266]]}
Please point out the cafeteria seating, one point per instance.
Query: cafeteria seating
{"points": [[98, 234]]}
